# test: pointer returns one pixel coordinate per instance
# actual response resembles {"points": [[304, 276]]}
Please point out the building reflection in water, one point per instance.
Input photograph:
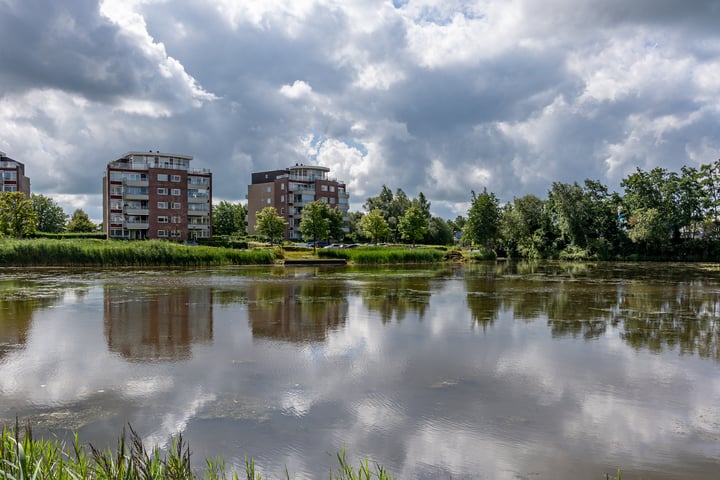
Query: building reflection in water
{"points": [[159, 326], [300, 312], [17, 309]]}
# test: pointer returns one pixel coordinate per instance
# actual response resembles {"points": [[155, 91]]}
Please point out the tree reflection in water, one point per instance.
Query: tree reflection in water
{"points": [[655, 307], [296, 310], [398, 295]]}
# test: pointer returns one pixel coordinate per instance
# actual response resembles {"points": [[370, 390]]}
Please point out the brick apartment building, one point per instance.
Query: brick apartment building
{"points": [[12, 176], [153, 195], [289, 190]]}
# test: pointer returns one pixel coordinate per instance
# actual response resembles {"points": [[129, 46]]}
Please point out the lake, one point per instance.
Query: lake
{"points": [[499, 371]]}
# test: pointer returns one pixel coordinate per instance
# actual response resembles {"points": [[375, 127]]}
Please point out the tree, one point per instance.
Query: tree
{"points": [[423, 204], [374, 226], [413, 225], [525, 227], [17, 216], [439, 232], [229, 219], [80, 222], [356, 234], [51, 218], [483, 220], [336, 223], [270, 224], [566, 203], [314, 224]]}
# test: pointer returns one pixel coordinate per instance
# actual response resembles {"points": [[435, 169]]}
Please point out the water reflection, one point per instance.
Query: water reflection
{"points": [[497, 370], [18, 301], [395, 296], [682, 316], [144, 326], [296, 311]]}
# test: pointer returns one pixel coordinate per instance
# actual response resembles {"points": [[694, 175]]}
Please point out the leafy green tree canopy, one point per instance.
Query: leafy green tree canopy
{"points": [[374, 226], [271, 225], [80, 222], [483, 220], [17, 216], [229, 219], [314, 224], [51, 218], [413, 225]]}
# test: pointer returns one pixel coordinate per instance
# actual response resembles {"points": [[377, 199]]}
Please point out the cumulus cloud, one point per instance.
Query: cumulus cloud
{"points": [[423, 95]]}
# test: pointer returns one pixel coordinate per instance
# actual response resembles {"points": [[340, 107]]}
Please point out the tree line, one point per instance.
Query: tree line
{"points": [[660, 214], [21, 216]]}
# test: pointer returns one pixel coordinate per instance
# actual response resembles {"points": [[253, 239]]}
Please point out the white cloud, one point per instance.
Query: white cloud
{"points": [[298, 89]]}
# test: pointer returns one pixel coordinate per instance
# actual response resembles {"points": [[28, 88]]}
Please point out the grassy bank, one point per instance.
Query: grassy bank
{"points": [[384, 255], [108, 253], [24, 457]]}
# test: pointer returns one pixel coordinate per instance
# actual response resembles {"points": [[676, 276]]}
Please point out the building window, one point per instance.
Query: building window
{"points": [[9, 175], [162, 233], [269, 201], [162, 191], [162, 205], [175, 178], [324, 188], [282, 198], [162, 177], [10, 188], [162, 219], [175, 192], [332, 200], [282, 186], [175, 233], [176, 205], [269, 189], [282, 211], [323, 199], [175, 219], [115, 190], [332, 188]]}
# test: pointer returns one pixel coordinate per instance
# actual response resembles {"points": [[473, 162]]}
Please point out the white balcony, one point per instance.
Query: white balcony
{"points": [[137, 211], [136, 196], [137, 225], [136, 183]]}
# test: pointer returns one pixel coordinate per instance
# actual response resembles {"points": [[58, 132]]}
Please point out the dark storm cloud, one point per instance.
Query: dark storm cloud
{"points": [[65, 45]]}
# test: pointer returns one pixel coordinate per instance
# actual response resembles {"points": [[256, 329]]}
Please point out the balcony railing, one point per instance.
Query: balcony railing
{"points": [[137, 225], [137, 211]]}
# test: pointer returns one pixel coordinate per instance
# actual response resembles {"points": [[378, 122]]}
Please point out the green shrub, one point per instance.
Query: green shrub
{"points": [[482, 254]]}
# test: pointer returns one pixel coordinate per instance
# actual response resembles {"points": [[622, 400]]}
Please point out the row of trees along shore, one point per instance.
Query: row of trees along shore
{"points": [[21, 216], [661, 215]]}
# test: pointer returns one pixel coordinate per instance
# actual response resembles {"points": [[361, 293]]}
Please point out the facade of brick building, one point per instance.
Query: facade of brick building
{"points": [[289, 190], [153, 195]]}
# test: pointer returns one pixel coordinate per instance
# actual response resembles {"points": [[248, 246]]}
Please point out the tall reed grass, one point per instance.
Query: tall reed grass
{"points": [[384, 255], [23, 457], [109, 253]]}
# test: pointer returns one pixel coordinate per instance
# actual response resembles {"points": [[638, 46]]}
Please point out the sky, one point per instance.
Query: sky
{"points": [[442, 97]]}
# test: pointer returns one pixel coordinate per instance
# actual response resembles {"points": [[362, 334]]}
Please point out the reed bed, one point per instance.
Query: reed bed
{"points": [[384, 255], [24, 457], [108, 253]]}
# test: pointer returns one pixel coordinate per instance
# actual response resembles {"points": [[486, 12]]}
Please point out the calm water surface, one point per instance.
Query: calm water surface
{"points": [[497, 371]]}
